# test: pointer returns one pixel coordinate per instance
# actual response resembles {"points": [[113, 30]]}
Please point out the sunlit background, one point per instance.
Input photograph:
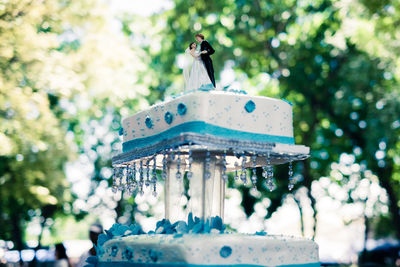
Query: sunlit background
{"points": [[71, 70]]}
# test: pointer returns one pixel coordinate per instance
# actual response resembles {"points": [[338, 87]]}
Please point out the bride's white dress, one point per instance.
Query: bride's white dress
{"points": [[196, 76]]}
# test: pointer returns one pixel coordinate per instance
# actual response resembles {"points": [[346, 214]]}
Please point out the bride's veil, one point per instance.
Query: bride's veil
{"points": [[187, 66]]}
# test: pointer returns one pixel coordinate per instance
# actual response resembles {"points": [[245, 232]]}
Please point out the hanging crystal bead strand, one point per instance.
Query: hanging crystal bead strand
{"points": [[122, 178], [236, 165], [147, 183], [190, 160], [208, 165], [178, 166], [128, 181], [141, 178], [254, 171], [133, 178], [154, 177], [115, 177], [243, 175], [224, 175], [268, 174], [236, 170], [164, 166], [291, 180]]}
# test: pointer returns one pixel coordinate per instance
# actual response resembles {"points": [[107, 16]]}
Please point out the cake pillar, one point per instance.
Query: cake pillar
{"points": [[173, 194], [206, 188]]}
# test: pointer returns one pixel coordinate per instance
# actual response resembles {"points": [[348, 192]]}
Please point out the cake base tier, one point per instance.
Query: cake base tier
{"points": [[127, 264], [208, 250]]}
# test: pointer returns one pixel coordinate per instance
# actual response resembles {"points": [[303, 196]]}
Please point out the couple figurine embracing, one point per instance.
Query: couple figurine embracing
{"points": [[198, 69]]}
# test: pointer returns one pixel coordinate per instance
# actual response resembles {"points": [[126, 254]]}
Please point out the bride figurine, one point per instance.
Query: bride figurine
{"points": [[195, 74]]}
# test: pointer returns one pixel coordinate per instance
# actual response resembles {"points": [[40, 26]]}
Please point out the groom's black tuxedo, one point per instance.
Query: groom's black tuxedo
{"points": [[205, 46]]}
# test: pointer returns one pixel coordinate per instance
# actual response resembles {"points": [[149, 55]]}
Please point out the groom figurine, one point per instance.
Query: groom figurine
{"points": [[206, 51]]}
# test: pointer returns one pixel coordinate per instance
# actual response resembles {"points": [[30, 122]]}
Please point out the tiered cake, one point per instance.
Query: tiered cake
{"points": [[201, 136]]}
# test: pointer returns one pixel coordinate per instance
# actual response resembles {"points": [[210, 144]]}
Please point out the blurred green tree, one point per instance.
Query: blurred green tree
{"points": [[33, 144], [66, 78]]}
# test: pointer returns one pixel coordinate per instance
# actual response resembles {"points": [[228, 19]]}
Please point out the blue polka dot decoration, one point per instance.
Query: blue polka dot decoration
{"points": [[250, 106], [168, 117], [148, 122], [182, 109], [225, 251]]}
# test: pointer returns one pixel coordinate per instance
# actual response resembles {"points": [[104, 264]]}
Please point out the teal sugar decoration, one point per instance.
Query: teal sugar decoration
{"points": [[250, 106], [114, 251], [182, 109], [148, 122], [225, 251], [168, 117], [121, 131], [287, 101], [127, 254]]}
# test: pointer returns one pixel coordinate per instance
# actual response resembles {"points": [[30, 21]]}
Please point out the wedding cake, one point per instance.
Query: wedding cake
{"points": [[201, 136]]}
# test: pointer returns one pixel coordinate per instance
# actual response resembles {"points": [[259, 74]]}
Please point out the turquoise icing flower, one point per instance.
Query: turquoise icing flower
{"points": [[250, 106], [148, 122], [168, 117], [118, 229], [182, 109], [91, 261]]}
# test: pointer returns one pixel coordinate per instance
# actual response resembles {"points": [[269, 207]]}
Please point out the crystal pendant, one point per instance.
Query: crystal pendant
{"points": [[236, 170], [164, 166], [291, 180], [147, 183], [134, 171], [268, 174], [115, 178], [190, 160], [178, 166], [132, 178], [128, 179], [154, 171], [154, 177], [141, 178], [224, 175], [243, 175], [154, 193], [122, 178], [208, 165], [254, 170]]}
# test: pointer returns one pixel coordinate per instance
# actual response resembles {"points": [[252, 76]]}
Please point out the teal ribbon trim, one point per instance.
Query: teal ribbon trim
{"points": [[201, 127], [131, 264]]}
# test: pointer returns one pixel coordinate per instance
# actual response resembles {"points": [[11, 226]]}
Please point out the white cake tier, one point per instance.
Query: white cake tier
{"points": [[209, 249], [219, 114]]}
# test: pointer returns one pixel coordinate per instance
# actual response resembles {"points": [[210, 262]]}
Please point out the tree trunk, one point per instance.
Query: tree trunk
{"points": [[17, 232], [384, 175]]}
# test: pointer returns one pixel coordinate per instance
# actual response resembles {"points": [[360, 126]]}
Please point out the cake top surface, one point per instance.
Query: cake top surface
{"points": [[204, 92]]}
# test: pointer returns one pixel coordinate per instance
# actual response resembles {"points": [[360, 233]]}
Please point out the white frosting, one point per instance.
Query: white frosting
{"points": [[208, 249], [218, 108]]}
